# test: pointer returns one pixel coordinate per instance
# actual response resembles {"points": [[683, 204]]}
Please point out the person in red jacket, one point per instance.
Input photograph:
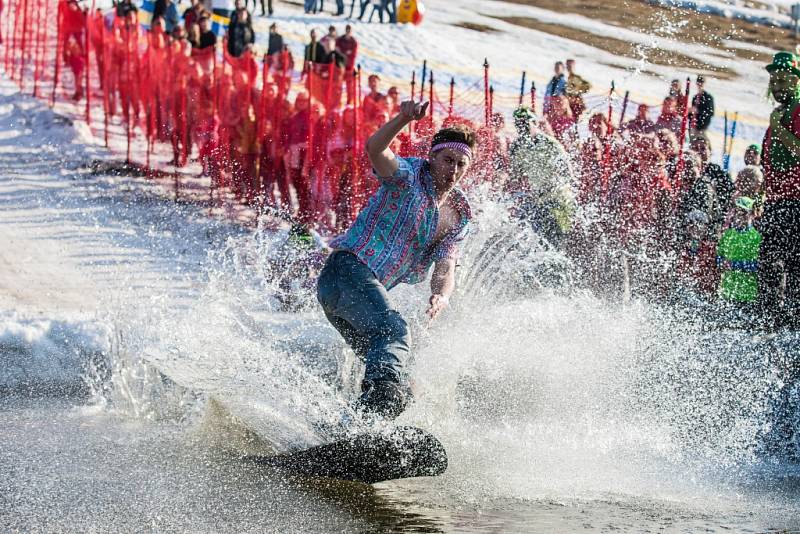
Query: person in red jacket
{"points": [[295, 130], [347, 45]]}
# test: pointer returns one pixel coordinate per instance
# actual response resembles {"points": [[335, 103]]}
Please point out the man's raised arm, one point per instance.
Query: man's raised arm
{"points": [[382, 159]]}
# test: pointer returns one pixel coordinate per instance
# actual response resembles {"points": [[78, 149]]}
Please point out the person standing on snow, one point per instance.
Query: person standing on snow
{"points": [[702, 110], [417, 218], [240, 31], [576, 88], [557, 86]]}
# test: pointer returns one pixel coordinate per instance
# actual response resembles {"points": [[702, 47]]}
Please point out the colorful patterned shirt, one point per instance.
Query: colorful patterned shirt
{"points": [[393, 235]]}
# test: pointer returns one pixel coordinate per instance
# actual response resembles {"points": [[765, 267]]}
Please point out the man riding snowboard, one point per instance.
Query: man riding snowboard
{"points": [[417, 218]]}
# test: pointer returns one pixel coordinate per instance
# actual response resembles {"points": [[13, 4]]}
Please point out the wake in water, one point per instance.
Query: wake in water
{"points": [[536, 388]]}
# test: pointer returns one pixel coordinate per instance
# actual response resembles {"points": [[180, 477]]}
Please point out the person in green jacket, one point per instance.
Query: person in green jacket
{"points": [[737, 255], [540, 178]]}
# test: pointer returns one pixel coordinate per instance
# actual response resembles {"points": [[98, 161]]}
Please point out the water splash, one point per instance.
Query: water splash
{"points": [[537, 388]]}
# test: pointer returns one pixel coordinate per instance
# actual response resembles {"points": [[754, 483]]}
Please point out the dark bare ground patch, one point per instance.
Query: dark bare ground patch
{"points": [[621, 47], [678, 24], [477, 27]]}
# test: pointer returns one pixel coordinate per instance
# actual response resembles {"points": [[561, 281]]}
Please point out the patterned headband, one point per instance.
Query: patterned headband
{"points": [[458, 147]]}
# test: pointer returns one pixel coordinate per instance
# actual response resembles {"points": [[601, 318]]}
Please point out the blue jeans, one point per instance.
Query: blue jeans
{"points": [[357, 305]]}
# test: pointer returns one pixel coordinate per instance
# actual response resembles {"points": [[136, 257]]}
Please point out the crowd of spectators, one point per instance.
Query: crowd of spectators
{"points": [[628, 204], [635, 210]]}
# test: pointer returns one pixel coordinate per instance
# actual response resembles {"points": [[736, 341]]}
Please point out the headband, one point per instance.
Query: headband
{"points": [[458, 147]]}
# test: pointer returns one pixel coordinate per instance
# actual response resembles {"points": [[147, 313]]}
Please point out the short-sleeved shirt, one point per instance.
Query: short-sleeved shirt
{"points": [[393, 235]]}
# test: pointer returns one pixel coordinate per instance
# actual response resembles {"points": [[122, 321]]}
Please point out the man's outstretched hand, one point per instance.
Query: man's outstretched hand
{"points": [[437, 304], [413, 111]]}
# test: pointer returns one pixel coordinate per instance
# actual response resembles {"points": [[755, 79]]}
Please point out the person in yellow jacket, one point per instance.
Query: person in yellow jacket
{"points": [[577, 86]]}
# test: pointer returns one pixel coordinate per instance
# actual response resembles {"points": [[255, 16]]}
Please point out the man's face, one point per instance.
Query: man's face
{"points": [[313, 35], [570, 66], [742, 218], [783, 85], [675, 86], [203, 25], [558, 69], [700, 86], [752, 157], [448, 166], [373, 84]]}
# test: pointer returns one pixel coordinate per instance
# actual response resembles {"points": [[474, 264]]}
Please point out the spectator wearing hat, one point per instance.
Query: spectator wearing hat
{"points": [[780, 223], [702, 110], [752, 155]]}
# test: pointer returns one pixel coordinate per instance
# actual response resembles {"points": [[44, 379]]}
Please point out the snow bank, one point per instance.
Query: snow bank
{"points": [[48, 356]]}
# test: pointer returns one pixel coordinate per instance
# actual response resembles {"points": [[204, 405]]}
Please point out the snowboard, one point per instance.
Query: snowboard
{"points": [[370, 457]]}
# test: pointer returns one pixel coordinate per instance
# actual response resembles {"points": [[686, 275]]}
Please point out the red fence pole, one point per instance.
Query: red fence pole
{"points": [[486, 91], [59, 30], [452, 97], [682, 139], [430, 96], [127, 114], [107, 58], [37, 50], [624, 108], [87, 67], [24, 47], [329, 95], [606, 175]]}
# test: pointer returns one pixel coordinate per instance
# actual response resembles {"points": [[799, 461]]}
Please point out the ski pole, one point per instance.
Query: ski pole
{"points": [[624, 108], [522, 88], [730, 142], [725, 139], [424, 75]]}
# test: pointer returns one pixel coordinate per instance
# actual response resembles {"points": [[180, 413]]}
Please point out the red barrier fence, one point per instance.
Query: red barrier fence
{"points": [[254, 129]]}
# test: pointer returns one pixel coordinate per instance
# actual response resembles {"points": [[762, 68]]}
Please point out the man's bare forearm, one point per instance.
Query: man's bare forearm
{"points": [[379, 142], [382, 159], [443, 280]]}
